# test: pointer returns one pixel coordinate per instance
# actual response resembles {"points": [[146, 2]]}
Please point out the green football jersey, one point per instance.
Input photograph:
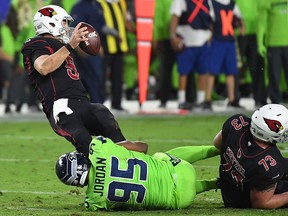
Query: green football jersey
{"points": [[273, 22], [162, 18], [122, 179], [249, 12]]}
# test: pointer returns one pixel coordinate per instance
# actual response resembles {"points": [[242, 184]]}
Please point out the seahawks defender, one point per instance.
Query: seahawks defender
{"points": [[252, 170], [118, 178], [50, 64]]}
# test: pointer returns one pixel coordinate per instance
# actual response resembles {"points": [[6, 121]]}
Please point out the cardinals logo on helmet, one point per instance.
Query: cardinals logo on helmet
{"points": [[273, 125], [48, 11]]}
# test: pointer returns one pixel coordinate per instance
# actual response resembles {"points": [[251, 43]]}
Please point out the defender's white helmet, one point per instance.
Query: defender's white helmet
{"points": [[270, 123], [49, 19]]}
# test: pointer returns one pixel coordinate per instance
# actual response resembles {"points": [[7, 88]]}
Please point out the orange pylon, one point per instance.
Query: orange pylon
{"points": [[144, 10]]}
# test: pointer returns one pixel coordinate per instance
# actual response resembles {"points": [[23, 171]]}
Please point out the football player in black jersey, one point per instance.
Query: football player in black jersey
{"points": [[50, 64], [253, 172]]}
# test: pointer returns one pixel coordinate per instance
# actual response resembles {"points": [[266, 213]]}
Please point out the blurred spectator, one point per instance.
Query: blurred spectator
{"points": [[66, 4], [273, 43], [115, 45], [91, 67], [4, 9], [15, 91], [162, 46], [19, 21], [223, 48], [5, 60], [130, 58], [248, 50], [189, 34], [25, 10]]}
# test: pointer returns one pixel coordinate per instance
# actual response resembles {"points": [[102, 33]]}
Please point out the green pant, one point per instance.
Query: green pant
{"points": [[186, 183]]}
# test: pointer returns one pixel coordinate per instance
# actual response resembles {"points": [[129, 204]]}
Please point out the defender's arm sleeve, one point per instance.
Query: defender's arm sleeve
{"points": [[262, 21]]}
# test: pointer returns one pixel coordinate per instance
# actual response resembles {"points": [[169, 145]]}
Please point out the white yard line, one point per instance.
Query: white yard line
{"points": [[29, 209]]}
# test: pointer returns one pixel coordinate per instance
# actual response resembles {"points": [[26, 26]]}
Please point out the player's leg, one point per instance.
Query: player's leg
{"points": [[205, 185], [185, 63], [100, 121], [186, 184], [230, 70], [192, 154], [71, 128]]}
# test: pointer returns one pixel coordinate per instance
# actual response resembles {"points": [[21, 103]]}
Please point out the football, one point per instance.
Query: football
{"points": [[93, 44]]}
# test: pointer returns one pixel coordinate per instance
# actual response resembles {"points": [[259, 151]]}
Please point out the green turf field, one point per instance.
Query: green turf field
{"points": [[29, 149]]}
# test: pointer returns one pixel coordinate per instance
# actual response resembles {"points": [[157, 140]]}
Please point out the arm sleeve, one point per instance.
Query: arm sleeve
{"points": [[271, 171], [262, 21], [264, 179], [36, 48], [227, 126], [40, 52], [177, 7], [236, 11]]}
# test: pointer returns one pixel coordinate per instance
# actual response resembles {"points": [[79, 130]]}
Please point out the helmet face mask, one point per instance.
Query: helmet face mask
{"points": [[72, 169], [53, 20], [270, 123]]}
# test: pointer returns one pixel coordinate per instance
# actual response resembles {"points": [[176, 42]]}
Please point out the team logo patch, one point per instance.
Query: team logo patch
{"points": [[48, 11], [273, 125]]}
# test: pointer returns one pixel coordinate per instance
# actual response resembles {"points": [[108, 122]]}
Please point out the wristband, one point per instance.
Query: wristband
{"points": [[69, 47]]}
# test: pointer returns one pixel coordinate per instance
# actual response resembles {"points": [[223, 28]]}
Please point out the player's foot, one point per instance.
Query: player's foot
{"points": [[234, 105], [185, 106]]}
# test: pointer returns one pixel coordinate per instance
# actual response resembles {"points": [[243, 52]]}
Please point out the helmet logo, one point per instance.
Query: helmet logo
{"points": [[273, 125], [48, 11]]}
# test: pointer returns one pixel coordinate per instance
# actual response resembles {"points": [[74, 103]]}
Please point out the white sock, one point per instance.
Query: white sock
{"points": [[200, 96], [181, 96]]}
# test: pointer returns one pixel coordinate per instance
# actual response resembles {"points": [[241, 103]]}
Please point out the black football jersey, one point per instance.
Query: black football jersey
{"points": [[244, 164], [62, 83]]}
